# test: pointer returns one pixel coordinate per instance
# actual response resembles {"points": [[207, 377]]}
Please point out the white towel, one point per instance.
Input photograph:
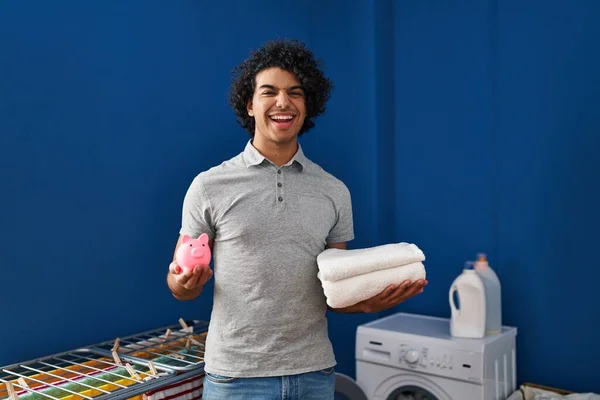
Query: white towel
{"points": [[336, 264], [349, 291]]}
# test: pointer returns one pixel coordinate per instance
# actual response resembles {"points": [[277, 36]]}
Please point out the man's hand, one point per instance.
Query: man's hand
{"points": [[188, 285], [390, 297]]}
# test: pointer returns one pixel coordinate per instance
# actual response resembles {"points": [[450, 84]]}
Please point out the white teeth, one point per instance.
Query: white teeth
{"points": [[282, 117]]}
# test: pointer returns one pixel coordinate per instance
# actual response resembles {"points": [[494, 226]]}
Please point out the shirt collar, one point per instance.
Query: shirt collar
{"points": [[254, 157]]}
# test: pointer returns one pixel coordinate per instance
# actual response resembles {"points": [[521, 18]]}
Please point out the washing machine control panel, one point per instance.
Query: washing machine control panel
{"points": [[439, 361], [423, 356]]}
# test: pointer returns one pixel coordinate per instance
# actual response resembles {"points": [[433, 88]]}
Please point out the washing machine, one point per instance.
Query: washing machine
{"points": [[413, 357]]}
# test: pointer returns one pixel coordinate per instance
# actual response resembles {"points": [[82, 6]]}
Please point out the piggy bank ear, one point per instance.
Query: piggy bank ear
{"points": [[186, 238], [203, 238]]}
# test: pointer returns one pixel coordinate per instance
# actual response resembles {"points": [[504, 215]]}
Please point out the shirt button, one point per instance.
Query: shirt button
{"points": [[279, 171], [281, 199], [279, 184]]}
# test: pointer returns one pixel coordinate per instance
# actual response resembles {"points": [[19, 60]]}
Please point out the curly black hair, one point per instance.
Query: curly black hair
{"points": [[289, 55]]}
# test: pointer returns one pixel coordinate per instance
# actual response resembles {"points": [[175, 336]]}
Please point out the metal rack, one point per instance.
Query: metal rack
{"points": [[178, 347], [122, 369]]}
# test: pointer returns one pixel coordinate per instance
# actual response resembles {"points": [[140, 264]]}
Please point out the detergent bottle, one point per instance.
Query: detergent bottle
{"points": [[493, 295], [468, 319]]}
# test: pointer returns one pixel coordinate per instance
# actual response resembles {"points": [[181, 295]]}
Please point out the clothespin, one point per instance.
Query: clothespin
{"points": [[187, 342], [22, 383], [177, 355], [194, 341], [132, 372], [185, 327], [167, 333], [152, 368], [117, 358], [12, 394], [115, 351]]}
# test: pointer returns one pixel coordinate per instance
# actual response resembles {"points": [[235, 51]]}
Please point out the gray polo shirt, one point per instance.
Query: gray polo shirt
{"points": [[268, 223]]}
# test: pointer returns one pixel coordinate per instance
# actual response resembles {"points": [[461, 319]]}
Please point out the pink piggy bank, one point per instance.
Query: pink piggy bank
{"points": [[193, 252]]}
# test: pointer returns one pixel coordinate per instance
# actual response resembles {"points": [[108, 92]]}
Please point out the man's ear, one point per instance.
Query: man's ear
{"points": [[249, 109]]}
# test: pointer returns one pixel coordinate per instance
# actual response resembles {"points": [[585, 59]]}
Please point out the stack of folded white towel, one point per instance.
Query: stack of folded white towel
{"points": [[351, 276]]}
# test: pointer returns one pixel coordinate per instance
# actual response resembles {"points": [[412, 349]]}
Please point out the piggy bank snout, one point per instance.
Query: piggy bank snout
{"points": [[198, 252]]}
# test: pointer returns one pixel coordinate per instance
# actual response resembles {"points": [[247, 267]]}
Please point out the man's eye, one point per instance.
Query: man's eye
{"points": [[269, 93], [296, 94]]}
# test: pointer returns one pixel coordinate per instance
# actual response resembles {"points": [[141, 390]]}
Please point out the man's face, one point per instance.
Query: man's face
{"points": [[278, 106]]}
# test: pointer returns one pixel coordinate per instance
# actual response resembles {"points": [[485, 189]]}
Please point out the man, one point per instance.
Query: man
{"points": [[269, 212]]}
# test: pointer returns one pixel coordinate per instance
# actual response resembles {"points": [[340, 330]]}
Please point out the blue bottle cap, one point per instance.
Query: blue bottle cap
{"points": [[469, 265]]}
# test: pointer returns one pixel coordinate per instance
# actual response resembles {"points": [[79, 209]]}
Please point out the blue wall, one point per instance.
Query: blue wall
{"points": [[462, 127], [496, 122], [107, 112]]}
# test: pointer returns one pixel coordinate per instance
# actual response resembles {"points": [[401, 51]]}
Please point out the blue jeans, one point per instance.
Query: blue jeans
{"points": [[318, 385]]}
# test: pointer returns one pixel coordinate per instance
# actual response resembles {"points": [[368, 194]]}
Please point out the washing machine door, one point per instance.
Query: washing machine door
{"points": [[413, 387], [346, 388], [412, 393]]}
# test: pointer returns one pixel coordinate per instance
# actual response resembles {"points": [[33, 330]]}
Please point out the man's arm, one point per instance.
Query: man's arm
{"points": [[187, 286], [390, 297]]}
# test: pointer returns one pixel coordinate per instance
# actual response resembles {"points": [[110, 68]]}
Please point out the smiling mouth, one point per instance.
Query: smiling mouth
{"points": [[282, 118], [283, 122]]}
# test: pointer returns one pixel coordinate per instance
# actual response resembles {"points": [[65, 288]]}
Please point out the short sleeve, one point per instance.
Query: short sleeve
{"points": [[343, 230], [196, 215]]}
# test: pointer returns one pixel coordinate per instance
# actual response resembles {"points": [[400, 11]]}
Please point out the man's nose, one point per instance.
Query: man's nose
{"points": [[282, 100]]}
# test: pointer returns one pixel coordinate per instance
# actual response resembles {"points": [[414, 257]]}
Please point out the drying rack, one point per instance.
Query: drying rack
{"points": [[125, 368], [177, 347]]}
